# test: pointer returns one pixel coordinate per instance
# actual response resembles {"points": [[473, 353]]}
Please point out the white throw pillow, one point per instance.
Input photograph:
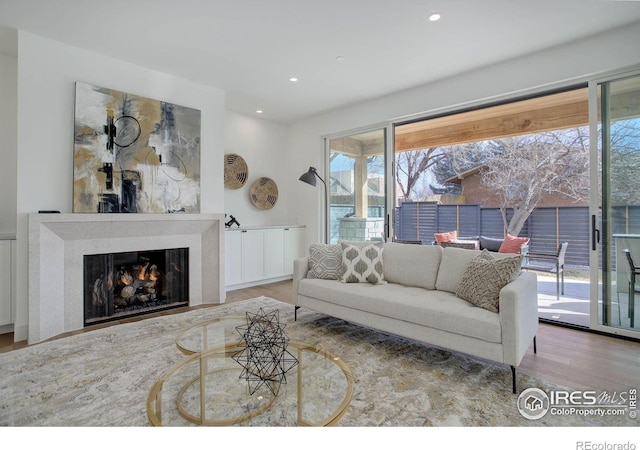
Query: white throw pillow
{"points": [[452, 266], [412, 265], [362, 263]]}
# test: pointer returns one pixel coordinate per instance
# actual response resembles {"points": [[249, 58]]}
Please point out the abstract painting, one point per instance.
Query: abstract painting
{"points": [[134, 154]]}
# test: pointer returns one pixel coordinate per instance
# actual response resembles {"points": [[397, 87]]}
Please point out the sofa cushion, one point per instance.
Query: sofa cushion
{"points": [[412, 265], [454, 262], [362, 263], [491, 244], [325, 261], [430, 308], [513, 244], [485, 276]]}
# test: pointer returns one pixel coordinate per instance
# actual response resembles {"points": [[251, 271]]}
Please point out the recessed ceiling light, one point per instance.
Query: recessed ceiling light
{"points": [[340, 58], [434, 17], [293, 79], [259, 111]]}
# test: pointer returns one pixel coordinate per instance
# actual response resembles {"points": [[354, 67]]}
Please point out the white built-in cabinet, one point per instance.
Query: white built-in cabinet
{"points": [[295, 246], [274, 252], [7, 282], [261, 255]]}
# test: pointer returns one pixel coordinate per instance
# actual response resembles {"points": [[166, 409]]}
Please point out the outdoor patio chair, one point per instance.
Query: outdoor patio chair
{"points": [[468, 245], [632, 271], [550, 263]]}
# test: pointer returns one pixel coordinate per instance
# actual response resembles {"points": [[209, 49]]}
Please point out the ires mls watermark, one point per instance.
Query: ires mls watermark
{"points": [[534, 403]]}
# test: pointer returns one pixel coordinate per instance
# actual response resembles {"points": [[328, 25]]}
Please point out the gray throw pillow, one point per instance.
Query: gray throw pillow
{"points": [[325, 261], [485, 276]]}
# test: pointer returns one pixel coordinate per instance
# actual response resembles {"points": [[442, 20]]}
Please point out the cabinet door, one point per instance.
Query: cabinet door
{"points": [[294, 247], [232, 258], [5, 282], [252, 255], [274, 253]]}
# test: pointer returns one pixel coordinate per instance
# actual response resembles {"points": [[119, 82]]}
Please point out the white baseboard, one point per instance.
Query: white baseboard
{"points": [[235, 287]]}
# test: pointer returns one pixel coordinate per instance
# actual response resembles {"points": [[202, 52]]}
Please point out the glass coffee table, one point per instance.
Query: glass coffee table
{"points": [[206, 387]]}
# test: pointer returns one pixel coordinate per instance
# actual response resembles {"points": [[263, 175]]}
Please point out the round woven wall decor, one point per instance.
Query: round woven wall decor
{"points": [[236, 171], [264, 193]]}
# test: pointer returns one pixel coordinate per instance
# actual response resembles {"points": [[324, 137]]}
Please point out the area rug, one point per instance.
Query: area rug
{"points": [[103, 377]]}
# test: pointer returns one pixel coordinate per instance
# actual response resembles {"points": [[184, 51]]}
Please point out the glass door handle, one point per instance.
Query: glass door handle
{"points": [[595, 233], [387, 228]]}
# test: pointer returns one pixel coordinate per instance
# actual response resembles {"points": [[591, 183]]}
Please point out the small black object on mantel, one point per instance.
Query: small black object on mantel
{"points": [[48, 211], [230, 223]]}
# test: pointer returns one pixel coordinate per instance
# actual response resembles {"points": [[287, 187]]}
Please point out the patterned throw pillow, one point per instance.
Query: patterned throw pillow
{"points": [[325, 261], [485, 276], [362, 263]]}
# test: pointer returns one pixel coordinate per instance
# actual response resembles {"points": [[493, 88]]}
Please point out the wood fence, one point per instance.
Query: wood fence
{"points": [[547, 227]]}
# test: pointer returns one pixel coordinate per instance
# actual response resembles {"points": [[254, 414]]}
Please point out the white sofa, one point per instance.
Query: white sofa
{"points": [[418, 301]]}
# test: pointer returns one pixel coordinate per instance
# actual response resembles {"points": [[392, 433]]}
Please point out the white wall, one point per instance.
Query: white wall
{"points": [[556, 67], [262, 144], [8, 143], [47, 71]]}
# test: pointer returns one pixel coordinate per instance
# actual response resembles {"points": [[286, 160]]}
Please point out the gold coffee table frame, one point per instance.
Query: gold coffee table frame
{"points": [[200, 331], [154, 400]]}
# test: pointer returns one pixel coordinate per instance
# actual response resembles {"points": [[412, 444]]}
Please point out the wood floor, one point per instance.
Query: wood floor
{"points": [[575, 359]]}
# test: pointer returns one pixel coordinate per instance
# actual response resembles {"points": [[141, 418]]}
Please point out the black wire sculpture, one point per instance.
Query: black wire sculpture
{"points": [[264, 357]]}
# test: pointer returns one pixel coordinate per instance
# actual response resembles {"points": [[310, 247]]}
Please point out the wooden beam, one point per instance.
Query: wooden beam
{"points": [[564, 110], [346, 146], [373, 147], [624, 105], [554, 118]]}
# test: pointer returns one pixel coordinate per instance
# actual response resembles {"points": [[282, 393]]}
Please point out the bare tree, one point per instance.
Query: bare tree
{"points": [[412, 165], [521, 169], [624, 184]]}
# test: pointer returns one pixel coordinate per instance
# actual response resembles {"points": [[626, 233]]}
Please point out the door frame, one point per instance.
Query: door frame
{"points": [[596, 287], [389, 189]]}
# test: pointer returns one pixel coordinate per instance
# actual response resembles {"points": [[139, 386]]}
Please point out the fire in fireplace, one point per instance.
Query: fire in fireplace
{"points": [[125, 284]]}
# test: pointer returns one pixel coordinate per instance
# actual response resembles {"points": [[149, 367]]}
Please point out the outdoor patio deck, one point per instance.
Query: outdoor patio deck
{"points": [[571, 308], [574, 306]]}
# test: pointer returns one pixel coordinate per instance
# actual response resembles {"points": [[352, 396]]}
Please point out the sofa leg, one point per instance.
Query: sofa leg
{"points": [[295, 313], [513, 375], [535, 346]]}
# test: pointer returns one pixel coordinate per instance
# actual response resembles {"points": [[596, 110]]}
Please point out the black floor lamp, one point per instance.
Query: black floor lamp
{"points": [[309, 177]]}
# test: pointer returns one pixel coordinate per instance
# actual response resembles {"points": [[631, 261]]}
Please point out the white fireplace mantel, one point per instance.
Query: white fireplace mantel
{"points": [[58, 242]]}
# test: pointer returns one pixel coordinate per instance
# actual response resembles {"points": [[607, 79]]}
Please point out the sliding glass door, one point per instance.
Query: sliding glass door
{"points": [[615, 125], [519, 168], [357, 186]]}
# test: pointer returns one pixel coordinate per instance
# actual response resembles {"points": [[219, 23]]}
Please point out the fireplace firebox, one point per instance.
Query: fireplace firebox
{"points": [[119, 285]]}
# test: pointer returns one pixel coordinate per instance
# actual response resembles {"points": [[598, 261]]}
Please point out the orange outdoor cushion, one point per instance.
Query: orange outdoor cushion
{"points": [[445, 237], [513, 244]]}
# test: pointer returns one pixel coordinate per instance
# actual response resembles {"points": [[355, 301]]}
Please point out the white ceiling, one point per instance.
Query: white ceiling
{"points": [[250, 48]]}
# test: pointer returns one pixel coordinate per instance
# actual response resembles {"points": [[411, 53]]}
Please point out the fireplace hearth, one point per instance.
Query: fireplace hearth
{"points": [[119, 285]]}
